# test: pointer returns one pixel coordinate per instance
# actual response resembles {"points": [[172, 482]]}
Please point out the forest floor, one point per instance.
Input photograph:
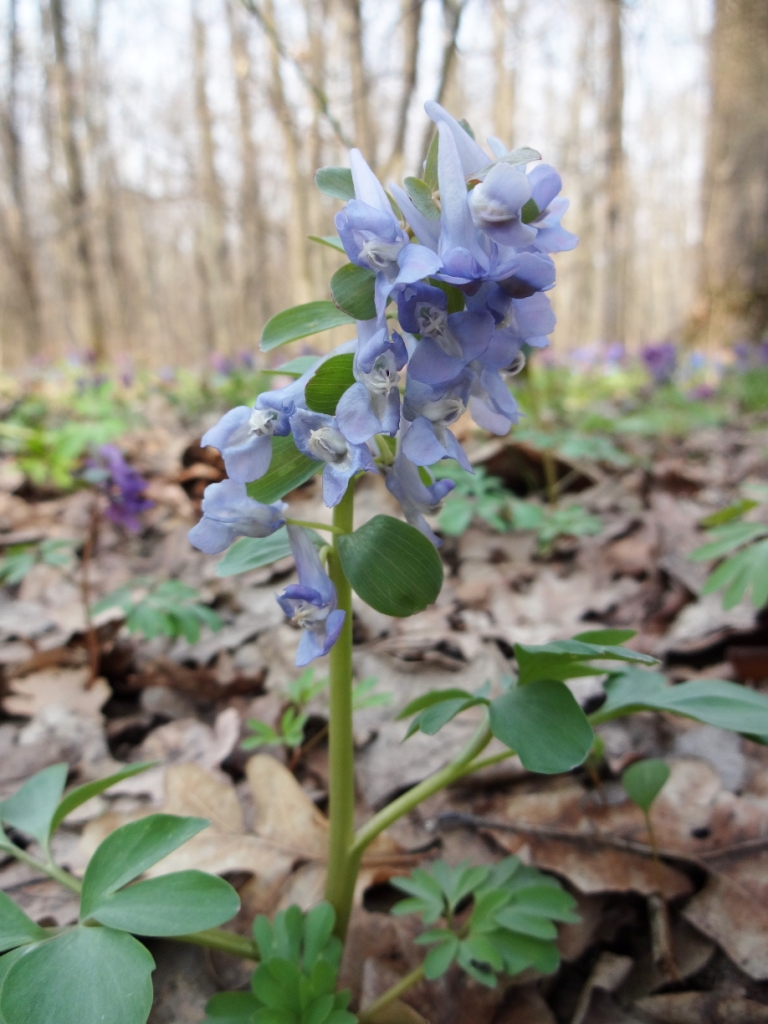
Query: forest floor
{"points": [[683, 939]]}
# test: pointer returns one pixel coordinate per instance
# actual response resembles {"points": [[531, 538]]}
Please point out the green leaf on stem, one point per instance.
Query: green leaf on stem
{"points": [[175, 904], [726, 538], [31, 808], [252, 552], [128, 851], [544, 725], [329, 382], [300, 322], [331, 241], [726, 515], [430, 166], [335, 182], [606, 636], [231, 1008], [421, 196], [438, 960], [712, 701], [391, 566], [565, 659], [352, 289], [85, 976], [294, 367], [16, 929], [438, 708], [76, 797], [288, 469], [644, 780]]}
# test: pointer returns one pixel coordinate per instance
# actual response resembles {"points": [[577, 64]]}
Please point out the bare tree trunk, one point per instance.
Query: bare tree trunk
{"points": [[256, 285], [301, 278], [213, 255], [734, 253], [16, 226], [452, 12], [76, 189], [615, 255], [507, 27], [365, 133], [410, 20]]}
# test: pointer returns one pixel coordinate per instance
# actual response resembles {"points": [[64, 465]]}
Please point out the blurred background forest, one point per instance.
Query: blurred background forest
{"points": [[156, 179]]}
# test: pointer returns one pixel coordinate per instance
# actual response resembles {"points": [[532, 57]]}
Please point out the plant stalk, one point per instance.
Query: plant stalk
{"points": [[408, 801], [226, 942], [310, 525], [342, 867], [367, 1015]]}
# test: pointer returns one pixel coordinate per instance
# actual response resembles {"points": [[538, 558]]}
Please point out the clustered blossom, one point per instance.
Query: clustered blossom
{"points": [[468, 272]]}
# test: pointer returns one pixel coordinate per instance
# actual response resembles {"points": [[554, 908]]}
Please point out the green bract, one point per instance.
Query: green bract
{"points": [[328, 384], [352, 291], [300, 322], [288, 469], [392, 566]]}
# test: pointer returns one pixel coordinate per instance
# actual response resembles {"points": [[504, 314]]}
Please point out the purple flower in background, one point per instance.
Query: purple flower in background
{"points": [[123, 486], [319, 437], [372, 236], [417, 499], [660, 361], [311, 603], [221, 364], [228, 513]]}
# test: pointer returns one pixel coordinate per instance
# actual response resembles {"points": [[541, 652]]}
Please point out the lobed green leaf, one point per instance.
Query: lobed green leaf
{"points": [[335, 182], [128, 851], [644, 780], [76, 797]]}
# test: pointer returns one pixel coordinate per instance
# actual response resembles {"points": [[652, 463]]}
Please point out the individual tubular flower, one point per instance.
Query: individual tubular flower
{"points": [[229, 513], [311, 603], [660, 361], [244, 435], [465, 258], [372, 405], [518, 321], [372, 236], [551, 236], [491, 403], [496, 206], [431, 411], [319, 437], [417, 499], [124, 488], [449, 341]]}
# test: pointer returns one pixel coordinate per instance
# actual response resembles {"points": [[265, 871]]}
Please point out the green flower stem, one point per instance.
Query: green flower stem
{"points": [[218, 938], [342, 869], [367, 1015], [476, 766], [313, 526], [56, 873], [463, 765]]}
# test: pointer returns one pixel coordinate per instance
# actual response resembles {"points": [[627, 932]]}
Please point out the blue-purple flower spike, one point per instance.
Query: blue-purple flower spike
{"points": [[311, 603]]}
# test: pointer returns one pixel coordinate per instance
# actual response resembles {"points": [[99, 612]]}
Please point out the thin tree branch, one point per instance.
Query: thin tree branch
{"points": [[319, 95]]}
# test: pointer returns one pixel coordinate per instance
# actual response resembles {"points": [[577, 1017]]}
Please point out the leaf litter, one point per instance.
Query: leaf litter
{"points": [[186, 703]]}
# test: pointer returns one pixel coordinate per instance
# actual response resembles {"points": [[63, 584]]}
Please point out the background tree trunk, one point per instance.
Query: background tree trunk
{"points": [[614, 247], [15, 221], [734, 254], [76, 188]]}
